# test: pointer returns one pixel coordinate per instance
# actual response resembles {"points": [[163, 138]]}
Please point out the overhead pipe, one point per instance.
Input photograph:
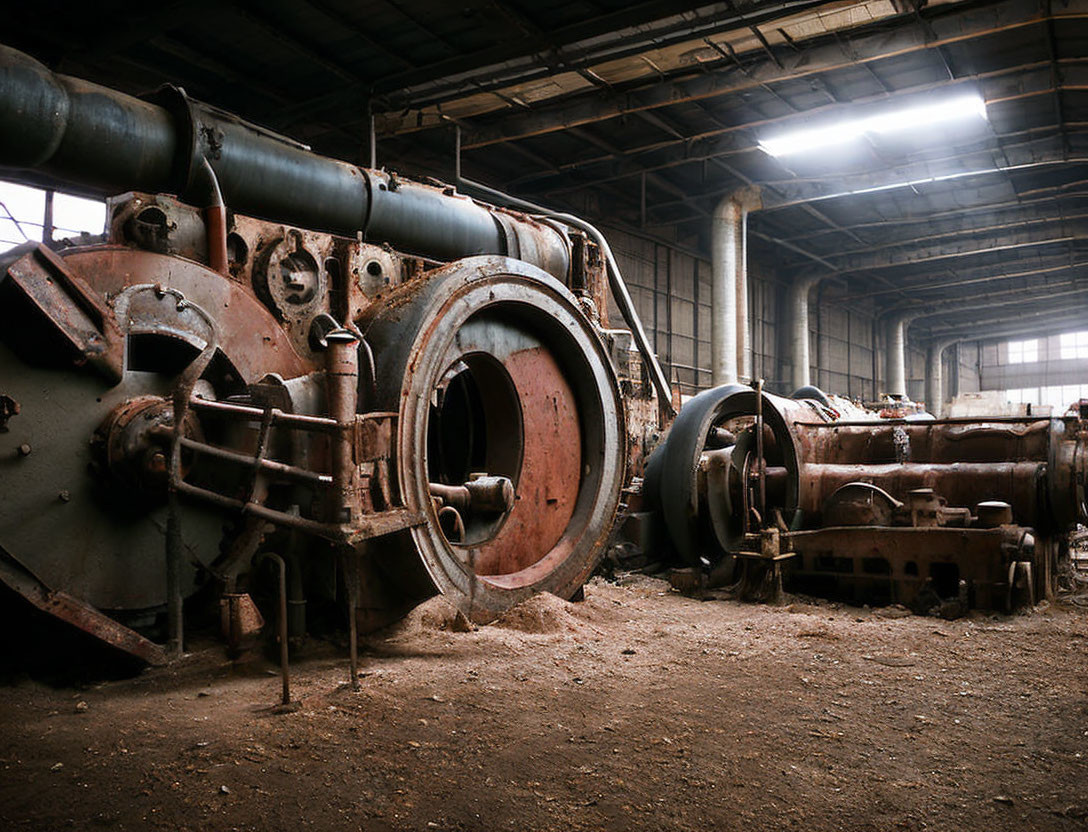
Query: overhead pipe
{"points": [[616, 283], [83, 135], [799, 330]]}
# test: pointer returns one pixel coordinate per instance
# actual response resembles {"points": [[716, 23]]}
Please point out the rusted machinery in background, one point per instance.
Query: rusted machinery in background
{"points": [[400, 390], [955, 512]]}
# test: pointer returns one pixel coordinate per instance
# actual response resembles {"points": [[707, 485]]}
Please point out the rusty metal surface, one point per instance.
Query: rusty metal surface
{"points": [[961, 484], [892, 565], [78, 613], [552, 422], [871, 509], [250, 389], [79, 316], [551, 466]]}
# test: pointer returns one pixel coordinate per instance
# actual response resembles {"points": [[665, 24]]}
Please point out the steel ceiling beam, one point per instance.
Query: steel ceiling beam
{"points": [[986, 274], [1027, 318], [863, 47], [609, 36], [731, 139], [1008, 239]]}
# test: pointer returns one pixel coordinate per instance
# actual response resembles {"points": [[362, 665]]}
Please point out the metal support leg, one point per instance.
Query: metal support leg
{"points": [[281, 625], [174, 607]]}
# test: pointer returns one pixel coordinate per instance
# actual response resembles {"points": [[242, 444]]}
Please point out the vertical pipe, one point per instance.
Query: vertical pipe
{"points": [[955, 386], [695, 324], [820, 340], [371, 136], [206, 190], [933, 377], [668, 311], [895, 355], [723, 293], [342, 371], [740, 281], [849, 353], [799, 331], [873, 359], [457, 153]]}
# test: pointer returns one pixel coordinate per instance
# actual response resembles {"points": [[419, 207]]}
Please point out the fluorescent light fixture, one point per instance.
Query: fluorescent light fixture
{"points": [[909, 118]]}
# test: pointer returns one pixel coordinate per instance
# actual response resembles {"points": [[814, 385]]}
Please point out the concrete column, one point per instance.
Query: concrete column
{"points": [[895, 357], [935, 376], [730, 332], [799, 336], [723, 295]]}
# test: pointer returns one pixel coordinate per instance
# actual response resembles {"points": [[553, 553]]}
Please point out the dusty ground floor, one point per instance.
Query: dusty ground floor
{"points": [[635, 709]]}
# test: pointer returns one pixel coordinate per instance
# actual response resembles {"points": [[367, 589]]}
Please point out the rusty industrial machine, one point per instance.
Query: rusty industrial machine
{"points": [[939, 514], [396, 389]]}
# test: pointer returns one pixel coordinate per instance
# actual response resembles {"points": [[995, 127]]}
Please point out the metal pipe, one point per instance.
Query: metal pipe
{"points": [[616, 283], [740, 282], [281, 468], [342, 373], [729, 264], [724, 239], [84, 135], [799, 330], [297, 421]]}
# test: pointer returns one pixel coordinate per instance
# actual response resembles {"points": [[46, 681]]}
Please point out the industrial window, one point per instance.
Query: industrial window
{"points": [[1023, 352], [1058, 396], [1075, 344], [22, 215]]}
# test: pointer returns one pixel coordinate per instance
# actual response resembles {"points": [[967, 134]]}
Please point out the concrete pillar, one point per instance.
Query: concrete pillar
{"points": [[935, 376], [895, 356], [799, 337], [730, 332], [723, 295]]}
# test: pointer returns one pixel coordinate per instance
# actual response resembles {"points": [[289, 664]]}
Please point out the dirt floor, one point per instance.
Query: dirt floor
{"points": [[635, 709]]}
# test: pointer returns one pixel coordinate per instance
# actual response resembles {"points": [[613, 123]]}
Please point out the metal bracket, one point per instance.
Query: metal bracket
{"points": [[79, 315]]}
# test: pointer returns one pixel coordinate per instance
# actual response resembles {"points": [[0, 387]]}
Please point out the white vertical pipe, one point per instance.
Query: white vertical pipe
{"points": [[740, 280], [723, 295], [896, 355], [730, 329], [799, 331]]}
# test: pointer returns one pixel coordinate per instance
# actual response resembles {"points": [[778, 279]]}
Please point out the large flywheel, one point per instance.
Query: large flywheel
{"points": [[84, 509]]}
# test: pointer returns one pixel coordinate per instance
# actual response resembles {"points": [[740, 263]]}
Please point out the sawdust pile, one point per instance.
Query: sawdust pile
{"points": [[542, 614]]}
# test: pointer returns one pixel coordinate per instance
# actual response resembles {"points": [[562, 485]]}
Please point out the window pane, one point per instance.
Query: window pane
{"points": [[1023, 352], [1074, 345], [73, 214], [27, 205]]}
